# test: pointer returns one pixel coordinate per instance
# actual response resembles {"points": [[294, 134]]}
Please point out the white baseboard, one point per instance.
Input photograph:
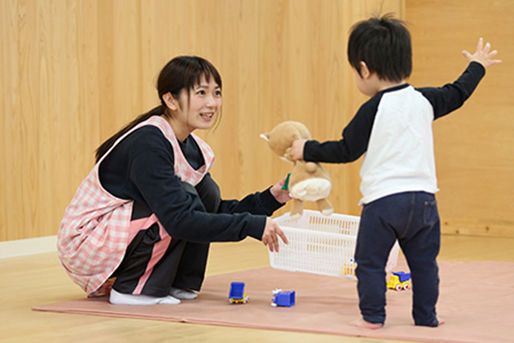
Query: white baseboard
{"points": [[29, 246]]}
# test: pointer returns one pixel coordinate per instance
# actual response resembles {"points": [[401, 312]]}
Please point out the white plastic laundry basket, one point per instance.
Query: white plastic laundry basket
{"points": [[320, 244]]}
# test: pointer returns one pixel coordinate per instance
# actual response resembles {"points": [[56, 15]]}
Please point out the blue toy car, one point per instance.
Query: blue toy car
{"points": [[237, 294], [286, 299]]}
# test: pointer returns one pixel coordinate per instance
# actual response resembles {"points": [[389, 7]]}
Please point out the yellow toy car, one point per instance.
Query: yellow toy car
{"points": [[399, 281]]}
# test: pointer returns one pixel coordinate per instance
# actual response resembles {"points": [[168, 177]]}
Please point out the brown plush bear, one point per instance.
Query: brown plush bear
{"points": [[308, 181]]}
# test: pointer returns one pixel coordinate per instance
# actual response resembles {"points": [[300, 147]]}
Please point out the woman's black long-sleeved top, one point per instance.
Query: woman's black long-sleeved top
{"points": [[141, 168]]}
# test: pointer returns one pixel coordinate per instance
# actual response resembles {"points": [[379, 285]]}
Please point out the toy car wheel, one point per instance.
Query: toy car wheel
{"points": [[406, 286], [398, 287]]}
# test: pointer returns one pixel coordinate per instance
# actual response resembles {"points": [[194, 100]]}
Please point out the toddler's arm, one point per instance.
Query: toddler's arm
{"points": [[451, 96]]}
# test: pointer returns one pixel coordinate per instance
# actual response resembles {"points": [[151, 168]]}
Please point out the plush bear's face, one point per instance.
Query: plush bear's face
{"points": [[282, 136]]}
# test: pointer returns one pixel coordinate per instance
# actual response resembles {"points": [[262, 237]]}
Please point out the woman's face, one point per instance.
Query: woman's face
{"points": [[203, 105]]}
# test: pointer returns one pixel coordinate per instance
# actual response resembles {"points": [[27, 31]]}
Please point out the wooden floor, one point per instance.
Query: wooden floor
{"points": [[39, 279]]}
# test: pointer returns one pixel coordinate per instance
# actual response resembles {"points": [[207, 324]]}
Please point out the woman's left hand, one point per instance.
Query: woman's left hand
{"points": [[281, 195]]}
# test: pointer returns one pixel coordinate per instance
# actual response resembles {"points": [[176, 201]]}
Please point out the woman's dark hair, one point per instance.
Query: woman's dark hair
{"points": [[384, 44], [182, 72]]}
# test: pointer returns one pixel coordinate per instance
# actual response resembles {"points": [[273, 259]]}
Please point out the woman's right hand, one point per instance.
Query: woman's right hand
{"points": [[269, 237], [281, 195]]}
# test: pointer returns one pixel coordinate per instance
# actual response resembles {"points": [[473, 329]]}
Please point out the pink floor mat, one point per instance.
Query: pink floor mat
{"points": [[476, 300]]}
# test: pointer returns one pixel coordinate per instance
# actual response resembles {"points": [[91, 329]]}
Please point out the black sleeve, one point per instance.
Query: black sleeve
{"points": [[257, 203], [451, 96], [177, 205], [355, 138]]}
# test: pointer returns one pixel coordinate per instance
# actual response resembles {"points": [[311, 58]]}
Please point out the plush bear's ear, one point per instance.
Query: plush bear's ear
{"points": [[265, 136]]}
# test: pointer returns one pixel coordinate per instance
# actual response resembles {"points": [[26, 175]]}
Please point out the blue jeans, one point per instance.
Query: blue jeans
{"points": [[413, 219]]}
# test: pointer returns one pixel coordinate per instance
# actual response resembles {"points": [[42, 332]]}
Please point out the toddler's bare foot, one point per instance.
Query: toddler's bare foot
{"points": [[361, 323], [439, 323]]}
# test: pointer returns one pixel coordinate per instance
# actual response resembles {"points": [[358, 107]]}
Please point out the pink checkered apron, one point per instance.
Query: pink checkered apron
{"points": [[96, 229]]}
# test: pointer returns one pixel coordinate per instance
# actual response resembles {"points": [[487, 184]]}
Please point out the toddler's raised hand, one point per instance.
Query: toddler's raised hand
{"points": [[482, 54]]}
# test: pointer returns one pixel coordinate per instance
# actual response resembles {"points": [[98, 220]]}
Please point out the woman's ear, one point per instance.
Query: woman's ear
{"points": [[364, 71], [170, 101]]}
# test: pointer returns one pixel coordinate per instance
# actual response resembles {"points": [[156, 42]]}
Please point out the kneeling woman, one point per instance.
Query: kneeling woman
{"points": [[140, 224]]}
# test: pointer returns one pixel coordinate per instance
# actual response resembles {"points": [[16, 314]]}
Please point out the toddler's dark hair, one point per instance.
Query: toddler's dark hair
{"points": [[384, 44]]}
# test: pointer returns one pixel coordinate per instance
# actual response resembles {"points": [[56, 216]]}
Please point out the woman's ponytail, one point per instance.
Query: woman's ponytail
{"points": [[102, 149]]}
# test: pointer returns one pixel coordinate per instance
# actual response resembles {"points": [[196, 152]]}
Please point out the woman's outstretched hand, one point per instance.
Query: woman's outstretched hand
{"points": [[281, 195], [271, 233]]}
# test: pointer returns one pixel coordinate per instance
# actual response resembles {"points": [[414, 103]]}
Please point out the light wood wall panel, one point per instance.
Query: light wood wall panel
{"points": [[49, 113], [74, 71], [474, 145]]}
